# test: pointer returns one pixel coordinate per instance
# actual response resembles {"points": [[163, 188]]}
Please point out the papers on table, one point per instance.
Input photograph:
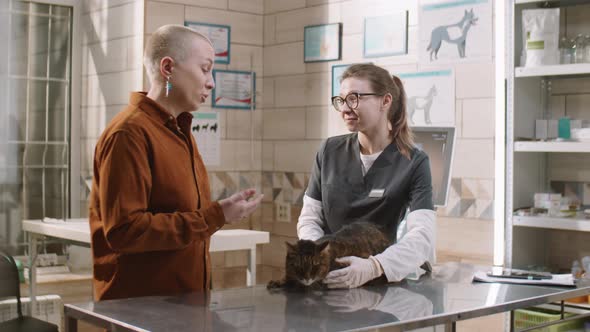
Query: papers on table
{"points": [[557, 280]]}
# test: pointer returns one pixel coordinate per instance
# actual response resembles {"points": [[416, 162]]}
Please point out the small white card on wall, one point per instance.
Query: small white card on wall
{"points": [[205, 129]]}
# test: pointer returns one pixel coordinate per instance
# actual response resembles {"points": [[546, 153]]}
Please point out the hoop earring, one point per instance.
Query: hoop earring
{"points": [[168, 86]]}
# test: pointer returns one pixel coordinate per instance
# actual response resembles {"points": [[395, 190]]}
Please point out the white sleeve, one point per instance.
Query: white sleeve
{"points": [[414, 249], [309, 226]]}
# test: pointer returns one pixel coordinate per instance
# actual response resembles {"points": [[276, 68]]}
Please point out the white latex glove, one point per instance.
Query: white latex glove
{"points": [[352, 300], [358, 272]]}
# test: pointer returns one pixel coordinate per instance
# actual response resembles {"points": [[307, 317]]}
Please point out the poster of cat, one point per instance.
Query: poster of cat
{"points": [[455, 31], [430, 97]]}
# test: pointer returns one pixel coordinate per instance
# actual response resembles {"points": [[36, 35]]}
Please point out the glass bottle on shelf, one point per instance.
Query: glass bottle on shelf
{"points": [[566, 50], [587, 49], [579, 48]]}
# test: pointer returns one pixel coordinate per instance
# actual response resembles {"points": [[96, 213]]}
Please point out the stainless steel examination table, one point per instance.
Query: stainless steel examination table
{"points": [[445, 297]]}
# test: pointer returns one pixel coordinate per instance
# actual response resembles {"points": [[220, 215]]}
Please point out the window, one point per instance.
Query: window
{"points": [[35, 115]]}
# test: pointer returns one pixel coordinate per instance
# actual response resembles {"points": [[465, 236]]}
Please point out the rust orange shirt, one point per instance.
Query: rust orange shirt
{"points": [[151, 215]]}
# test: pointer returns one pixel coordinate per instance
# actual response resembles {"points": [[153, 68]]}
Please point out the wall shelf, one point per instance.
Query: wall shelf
{"points": [[562, 3], [571, 224], [553, 70], [576, 147]]}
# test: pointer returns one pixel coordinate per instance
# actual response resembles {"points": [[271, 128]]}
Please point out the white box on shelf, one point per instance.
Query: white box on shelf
{"points": [[547, 197], [582, 134], [575, 124]]}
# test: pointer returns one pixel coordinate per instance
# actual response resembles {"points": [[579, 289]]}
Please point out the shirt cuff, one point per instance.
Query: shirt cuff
{"points": [[214, 217]]}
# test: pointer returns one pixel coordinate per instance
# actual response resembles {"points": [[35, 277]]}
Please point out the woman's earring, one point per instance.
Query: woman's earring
{"points": [[168, 86]]}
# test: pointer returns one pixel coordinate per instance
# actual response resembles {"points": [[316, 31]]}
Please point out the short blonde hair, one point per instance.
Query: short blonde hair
{"points": [[168, 40]]}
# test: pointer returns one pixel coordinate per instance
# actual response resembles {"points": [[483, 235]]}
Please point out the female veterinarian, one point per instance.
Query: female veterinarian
{"points": [[375, 173]]}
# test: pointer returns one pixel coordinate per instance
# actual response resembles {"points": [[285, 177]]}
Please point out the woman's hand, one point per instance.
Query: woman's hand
{"points": [[358, 272], [239, 205]]}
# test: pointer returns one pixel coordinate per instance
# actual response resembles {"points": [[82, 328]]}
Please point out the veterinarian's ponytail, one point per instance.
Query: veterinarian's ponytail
{"points": [[397, 116]]}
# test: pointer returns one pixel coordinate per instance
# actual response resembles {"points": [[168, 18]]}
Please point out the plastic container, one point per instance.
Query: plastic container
{"points": [[524, 318], [563, 129]]}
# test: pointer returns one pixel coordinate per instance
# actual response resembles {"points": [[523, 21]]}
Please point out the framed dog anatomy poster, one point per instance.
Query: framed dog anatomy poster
{"points": [[430, 97], [455, 31]]}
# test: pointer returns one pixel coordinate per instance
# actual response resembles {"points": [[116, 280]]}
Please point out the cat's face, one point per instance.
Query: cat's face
{"points": [[307, 262]]}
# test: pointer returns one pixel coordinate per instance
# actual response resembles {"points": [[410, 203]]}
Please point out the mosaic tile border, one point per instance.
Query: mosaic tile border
{"points": [[468, 198]]}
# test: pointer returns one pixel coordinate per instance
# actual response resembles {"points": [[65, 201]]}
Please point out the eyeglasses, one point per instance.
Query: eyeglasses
{"points": [[351, 99]]}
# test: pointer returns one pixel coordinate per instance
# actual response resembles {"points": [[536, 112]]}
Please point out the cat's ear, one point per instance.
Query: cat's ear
{"points": [[324, 247], [291, 248]]}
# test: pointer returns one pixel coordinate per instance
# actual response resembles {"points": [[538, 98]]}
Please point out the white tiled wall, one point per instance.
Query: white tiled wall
{"points": [[111, 66], [273, 6], [246, 28]]}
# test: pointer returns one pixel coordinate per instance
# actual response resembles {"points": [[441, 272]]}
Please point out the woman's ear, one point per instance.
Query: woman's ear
{"points": [[387, 100], [166, 66]]}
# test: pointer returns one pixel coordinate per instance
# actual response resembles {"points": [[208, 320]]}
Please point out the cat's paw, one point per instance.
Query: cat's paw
{"points": [[275, 284]]}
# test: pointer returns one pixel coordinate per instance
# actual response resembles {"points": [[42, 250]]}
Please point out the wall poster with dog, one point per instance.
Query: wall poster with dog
{"points": [[206, 130], [455, 31], [430, 97]]}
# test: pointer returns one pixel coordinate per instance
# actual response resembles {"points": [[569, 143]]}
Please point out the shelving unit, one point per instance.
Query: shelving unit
{"points": [[555, 70], [567, 147], [571, 224], [530, 165]]}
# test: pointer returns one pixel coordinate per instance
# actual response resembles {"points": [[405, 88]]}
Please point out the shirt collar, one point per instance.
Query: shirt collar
{"points": [[157, 111]]}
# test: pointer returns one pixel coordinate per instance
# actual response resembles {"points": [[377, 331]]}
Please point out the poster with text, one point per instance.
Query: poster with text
{"points": [[219, 35], [455, 31], [430, 97], [234, 89], [205, 129]]}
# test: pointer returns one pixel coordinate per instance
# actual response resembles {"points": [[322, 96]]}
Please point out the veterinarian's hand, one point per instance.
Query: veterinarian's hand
{"points": [[352, 300], [358, 272]]}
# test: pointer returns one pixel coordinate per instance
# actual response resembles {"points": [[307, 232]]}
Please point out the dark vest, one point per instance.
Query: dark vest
{"points": [[337, 180]]}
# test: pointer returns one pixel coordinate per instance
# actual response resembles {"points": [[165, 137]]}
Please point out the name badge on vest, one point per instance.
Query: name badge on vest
{"points": [[376, 193]]}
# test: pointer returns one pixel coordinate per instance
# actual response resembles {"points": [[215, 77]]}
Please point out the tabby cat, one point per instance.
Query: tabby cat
{"points": [[308, 262]]}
